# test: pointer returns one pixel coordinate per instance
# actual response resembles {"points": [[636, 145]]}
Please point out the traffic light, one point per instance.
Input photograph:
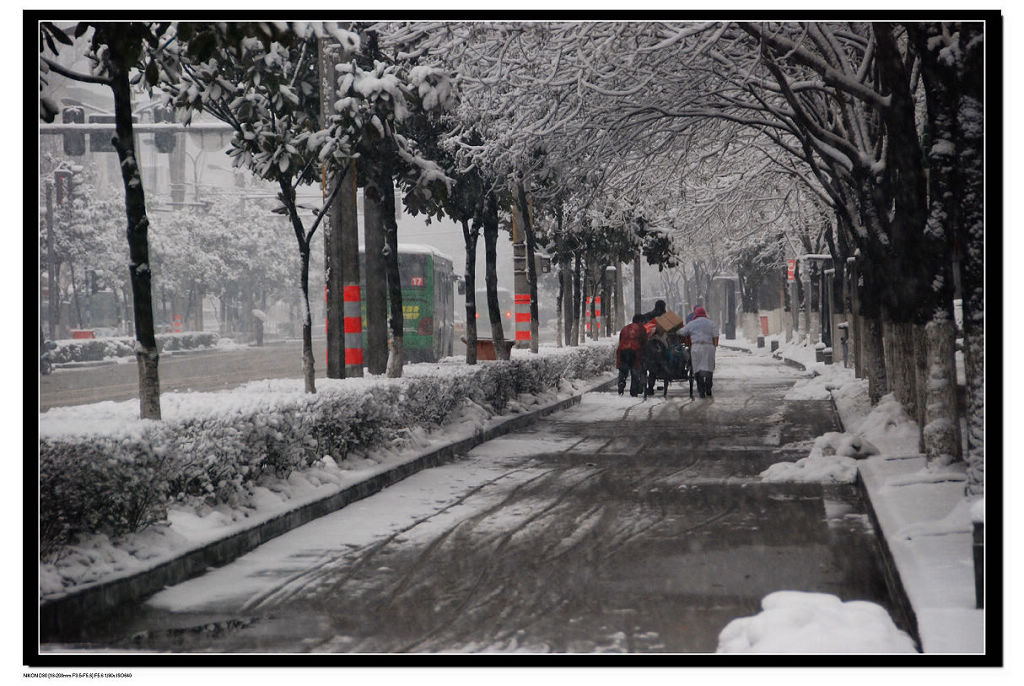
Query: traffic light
{"points": [[74, 143], [63, 180], [67, 184], [164, 139]]}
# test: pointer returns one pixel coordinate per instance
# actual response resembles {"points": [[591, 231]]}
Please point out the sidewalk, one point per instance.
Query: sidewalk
{"points": [[924, 524]]}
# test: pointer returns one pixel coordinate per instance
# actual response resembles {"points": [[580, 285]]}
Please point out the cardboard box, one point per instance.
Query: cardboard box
{"points": [[670, 321]]}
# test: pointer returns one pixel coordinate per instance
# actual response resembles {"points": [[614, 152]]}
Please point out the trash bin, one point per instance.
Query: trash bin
{"points": [[485, 348]]}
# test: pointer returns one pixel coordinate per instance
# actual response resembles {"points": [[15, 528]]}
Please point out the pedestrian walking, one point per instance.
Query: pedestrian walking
{"points": [[692, 314], [703, 335], [628, 355], [659, 309]]}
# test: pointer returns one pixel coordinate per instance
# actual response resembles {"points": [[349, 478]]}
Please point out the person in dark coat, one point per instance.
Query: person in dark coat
{"points": [[659, 309], [627, 355]]}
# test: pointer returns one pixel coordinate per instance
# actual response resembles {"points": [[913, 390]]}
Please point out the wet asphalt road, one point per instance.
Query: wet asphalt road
{"points": [[615, 526], [207, 370]]}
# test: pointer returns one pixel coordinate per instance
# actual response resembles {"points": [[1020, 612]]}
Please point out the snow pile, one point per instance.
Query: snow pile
{"points": [[887, 424], [978, 511], [797, 622], [883, 429], [827, 377], [833, 459]]}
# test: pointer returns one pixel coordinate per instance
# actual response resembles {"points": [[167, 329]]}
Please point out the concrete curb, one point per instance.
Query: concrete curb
{"points": [[63, 618], [906, 616]]}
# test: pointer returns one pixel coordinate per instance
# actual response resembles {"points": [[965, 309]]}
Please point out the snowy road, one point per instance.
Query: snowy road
{"points": [[615, 526]]}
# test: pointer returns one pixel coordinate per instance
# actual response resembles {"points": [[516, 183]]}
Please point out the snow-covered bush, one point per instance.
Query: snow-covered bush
{"points": [[97, 349], [105, 484], [118, 478]]}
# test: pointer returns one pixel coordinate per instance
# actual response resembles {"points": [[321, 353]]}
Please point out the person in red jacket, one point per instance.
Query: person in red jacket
{"points": [[627, 355]]}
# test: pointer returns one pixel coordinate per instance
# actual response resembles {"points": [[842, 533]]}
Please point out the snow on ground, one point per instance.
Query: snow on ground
{"points": [[925, 518], [98, 558], [421, 506], [922, 511]]}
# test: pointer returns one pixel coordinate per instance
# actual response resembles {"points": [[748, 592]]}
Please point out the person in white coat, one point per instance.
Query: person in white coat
{"points": [[703, 335]]}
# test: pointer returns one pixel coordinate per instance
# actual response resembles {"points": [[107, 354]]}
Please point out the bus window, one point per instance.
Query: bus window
{"points": [[412, 270]]}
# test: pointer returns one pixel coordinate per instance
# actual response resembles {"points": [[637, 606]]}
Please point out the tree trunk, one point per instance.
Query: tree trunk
{"points": [[560, 300], [935, 250], [638, 306], [287, 197], [308, 366], [471, 237], [128, 319], [333, 272], [874, 359], [376, 296], [490, 221], [146, 354], [620, 315], [74, 295], [941, 435], [258, 320], [577, 298], [900, 369], [588, 298], [200, 324], [52, 269], [396, 357], [531, 265], [921, 381], [606, 304], [849, 301], [970, 239]]}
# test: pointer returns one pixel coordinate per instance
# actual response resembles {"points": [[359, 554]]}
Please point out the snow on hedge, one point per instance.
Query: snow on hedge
{"points": [[115, 489], [96, 349]]}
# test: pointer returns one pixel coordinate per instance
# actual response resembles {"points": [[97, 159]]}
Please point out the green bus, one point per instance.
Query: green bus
{"points": [[428, 301]]}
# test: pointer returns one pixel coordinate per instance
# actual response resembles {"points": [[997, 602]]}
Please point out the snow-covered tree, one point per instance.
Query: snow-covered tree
{"points": [[122, 52]]}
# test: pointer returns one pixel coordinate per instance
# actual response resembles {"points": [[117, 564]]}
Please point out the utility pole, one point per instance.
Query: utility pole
{"points": [[341, 250]]}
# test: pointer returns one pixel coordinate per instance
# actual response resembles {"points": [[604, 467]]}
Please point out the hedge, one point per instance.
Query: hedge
{"points": [[117, 484], [96, 349]]}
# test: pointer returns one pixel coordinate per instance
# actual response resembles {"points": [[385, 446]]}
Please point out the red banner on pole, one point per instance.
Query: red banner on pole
{"points": [[791, 270]]}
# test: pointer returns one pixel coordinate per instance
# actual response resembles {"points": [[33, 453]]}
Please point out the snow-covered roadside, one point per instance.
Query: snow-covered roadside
{"points": [[925, 518], [99, 559]]}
